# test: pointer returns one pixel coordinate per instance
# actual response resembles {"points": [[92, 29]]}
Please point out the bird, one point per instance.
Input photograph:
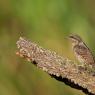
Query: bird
{"points": [[82, 53]]}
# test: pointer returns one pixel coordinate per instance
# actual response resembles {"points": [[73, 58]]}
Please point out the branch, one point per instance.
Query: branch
{"points": [[58, 67]]}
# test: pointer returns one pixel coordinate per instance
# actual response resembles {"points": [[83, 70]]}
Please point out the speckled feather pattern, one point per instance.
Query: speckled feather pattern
{"points": [[83, 54]]}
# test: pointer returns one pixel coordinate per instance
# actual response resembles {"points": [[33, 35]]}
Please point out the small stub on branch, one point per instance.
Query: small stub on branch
{"points": [[58, 67]]}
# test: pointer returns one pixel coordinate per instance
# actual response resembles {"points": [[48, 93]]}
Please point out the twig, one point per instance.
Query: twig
{"points": [[58, 67]]}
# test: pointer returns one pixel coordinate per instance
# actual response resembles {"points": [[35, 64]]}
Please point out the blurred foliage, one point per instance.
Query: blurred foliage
{"points": [[48, 23]]}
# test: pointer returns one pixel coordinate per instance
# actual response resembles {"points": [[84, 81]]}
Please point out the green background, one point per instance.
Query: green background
{"points": [[48, 23]]}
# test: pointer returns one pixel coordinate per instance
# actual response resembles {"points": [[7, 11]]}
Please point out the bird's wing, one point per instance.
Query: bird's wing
{"points": [[85, 53]]}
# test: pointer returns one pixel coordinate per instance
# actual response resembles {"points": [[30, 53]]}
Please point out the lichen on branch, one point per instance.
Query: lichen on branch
{"points": [[58, 67]]}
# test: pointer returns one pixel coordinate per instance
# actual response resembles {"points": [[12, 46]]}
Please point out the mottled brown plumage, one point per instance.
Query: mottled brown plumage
{"points": [[81, 51]]}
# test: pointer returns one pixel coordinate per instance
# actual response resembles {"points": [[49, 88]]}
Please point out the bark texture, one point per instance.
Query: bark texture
{"points": [[58, 67]]}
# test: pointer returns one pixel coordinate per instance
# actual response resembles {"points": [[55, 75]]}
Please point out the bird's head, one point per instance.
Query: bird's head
{"points": [[75, 39]]}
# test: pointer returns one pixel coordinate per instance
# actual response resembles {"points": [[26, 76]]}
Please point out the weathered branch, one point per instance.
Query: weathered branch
{"points": [[58, 67]]}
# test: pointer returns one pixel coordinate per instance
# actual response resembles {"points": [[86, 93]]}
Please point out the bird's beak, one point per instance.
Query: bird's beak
{"points": [[68, 38]]}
